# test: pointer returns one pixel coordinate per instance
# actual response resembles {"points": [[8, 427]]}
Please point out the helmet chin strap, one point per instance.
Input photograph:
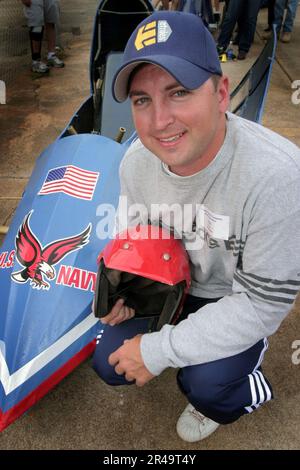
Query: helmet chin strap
{"points": [[101, 301], [170, 307]]}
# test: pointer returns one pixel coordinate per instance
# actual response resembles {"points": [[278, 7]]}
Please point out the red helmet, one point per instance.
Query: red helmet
{"points": [[149, 269]]}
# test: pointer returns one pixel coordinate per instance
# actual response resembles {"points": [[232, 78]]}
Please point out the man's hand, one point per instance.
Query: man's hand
{"points": [[118, 314], [128, 361], [27, 3]]}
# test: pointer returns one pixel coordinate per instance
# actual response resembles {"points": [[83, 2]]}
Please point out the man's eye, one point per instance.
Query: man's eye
{"points": [[181, 92], [140, 101]]}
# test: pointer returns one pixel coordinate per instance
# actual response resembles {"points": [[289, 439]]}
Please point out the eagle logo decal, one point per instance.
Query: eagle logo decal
{"points": [[38, 261]]}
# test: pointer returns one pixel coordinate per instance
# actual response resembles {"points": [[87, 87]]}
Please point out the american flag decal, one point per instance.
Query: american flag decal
{"points": [[70, 180]]}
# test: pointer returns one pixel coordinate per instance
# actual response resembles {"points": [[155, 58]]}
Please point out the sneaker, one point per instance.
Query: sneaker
{"points": [[39, 67], [193, 426], [286, 37], [54, 61]]}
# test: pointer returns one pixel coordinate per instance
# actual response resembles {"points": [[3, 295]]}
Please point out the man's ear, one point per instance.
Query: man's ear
{"points": [[223, 93]]}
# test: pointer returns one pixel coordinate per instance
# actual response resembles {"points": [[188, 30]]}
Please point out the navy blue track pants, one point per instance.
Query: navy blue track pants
{"points": [[222, 390]]}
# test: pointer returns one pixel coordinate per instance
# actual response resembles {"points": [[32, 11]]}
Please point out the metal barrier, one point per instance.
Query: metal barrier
{"points": [[248, 98]]}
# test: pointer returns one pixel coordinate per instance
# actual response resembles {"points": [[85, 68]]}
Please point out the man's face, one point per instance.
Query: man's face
{"points": [[183, 128]]}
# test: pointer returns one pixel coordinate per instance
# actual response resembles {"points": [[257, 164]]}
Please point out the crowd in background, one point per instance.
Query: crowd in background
{"points": [[237, 22]]}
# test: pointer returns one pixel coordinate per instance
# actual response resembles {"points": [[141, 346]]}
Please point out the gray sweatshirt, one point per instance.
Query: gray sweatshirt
{"points": [[243, 240]]}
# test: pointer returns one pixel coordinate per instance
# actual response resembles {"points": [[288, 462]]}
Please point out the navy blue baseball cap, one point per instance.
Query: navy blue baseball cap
{"points": [[176, 41]]}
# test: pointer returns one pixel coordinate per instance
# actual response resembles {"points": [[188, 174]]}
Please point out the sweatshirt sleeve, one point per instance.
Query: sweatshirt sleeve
{"points": [[265, 285]]}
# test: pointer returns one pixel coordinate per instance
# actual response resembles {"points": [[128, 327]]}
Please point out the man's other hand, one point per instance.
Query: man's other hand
{"points": [[118, 314], [128, 361]]}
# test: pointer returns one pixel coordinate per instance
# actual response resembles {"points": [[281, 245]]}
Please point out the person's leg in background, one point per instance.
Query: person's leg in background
{"points": [[205, 8], [279, 14], [36, 37], [247, 27], [216, 10], [51, 14], [268, 31], [240, 25], [233, 12], [271, 6], [34, 14], [50, 34], [58, 44], [289, 20]]}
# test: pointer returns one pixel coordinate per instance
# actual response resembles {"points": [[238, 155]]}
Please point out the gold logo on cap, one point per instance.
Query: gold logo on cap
{"points": [[146, 36], [151, 33]]}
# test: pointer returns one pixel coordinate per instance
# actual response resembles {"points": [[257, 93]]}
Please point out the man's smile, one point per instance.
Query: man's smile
{"points": [[172, 139]]}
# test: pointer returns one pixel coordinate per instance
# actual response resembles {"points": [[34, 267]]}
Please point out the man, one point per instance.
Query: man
{"points": [[40, 14], [237, 186]]}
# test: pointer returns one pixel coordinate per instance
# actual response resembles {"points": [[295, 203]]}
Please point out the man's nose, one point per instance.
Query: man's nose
{"points": [[162, 116]]}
